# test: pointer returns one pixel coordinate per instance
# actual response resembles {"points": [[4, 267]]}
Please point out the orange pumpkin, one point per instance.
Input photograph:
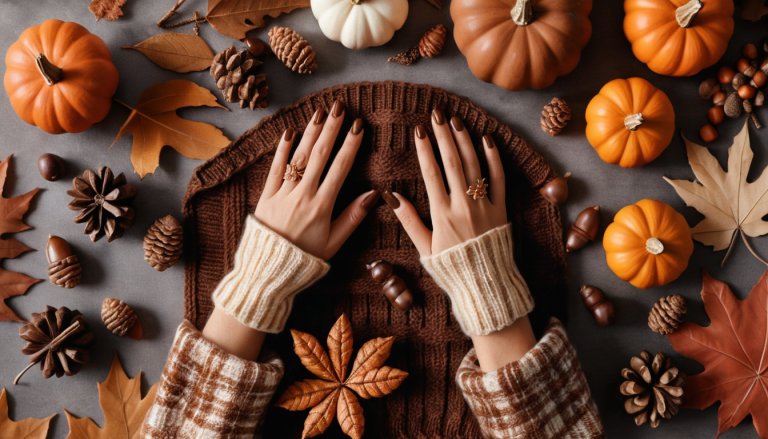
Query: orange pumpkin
{"points": [[678, 37], [630, 122], [517, 44], [648, 244], [60, 77]]}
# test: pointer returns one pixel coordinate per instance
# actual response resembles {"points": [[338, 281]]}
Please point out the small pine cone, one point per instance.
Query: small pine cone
{"points": [[163, 243], [118, 316], [667, 314], [555, 116], [653, 388], [406, 58], [234, 73], [431, 44], [293, 50], [66, 273]]}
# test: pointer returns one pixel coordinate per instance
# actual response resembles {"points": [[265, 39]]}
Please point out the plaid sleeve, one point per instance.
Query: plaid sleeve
{"points": [[206, 393], [543, 395]]}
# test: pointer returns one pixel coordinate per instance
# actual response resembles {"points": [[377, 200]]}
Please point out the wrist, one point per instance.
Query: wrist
{"points": [[499, 348], [232, 336]]}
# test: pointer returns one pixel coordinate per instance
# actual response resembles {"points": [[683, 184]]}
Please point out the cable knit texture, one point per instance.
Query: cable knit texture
{"points": [[269, 272], [481, 278]]}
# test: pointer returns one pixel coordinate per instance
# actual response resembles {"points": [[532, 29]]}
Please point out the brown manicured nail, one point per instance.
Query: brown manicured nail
{"points": [[457, 124], [338, 108], [421, 133], [393, 202], [288, 135], [357, 126], [488, 141], [371, 199], [438, 116], [319, 117]]}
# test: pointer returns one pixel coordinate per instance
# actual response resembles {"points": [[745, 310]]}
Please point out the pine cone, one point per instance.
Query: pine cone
{"points": [[58, 340], [667, 314], [118, 316], [234, 74], [163, 242], [105, 202], [431, 43], [555, 116], [293, 50], [653, 388]]}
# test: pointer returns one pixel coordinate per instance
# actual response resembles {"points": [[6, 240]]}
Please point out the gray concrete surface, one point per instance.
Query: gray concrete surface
{"points": [[118, 270]]}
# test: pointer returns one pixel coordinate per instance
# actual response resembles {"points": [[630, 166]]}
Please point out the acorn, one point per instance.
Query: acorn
{"points": [[51, 166], [64, 268], [584, 229], [595, 301], [392, 285], [556, 191]]}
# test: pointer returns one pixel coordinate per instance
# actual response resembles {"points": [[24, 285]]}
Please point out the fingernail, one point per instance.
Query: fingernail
{"points": [[288, 135], [393, 202], [438, 116], [338, 108], [371, 199], [357, 126], [457, 124], [488, 141], [319, 117], [421, 133]]}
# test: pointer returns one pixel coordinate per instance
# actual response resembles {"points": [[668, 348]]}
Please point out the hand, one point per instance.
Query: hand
{"points": [[456, 216], [300, 211]]}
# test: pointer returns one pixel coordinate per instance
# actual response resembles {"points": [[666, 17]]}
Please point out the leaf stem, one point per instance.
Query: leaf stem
{"points": [[749, 247], [730, 247], [164, 21]]}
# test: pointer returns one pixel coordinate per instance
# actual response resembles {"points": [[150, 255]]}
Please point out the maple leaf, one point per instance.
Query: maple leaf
{"points": [[178, 52], [734, 352], [29, 428], [107, 9], [754, 10], [155, 124], [333, 395], [123, 407], [732, 206], [12, 212], [234, 18]]}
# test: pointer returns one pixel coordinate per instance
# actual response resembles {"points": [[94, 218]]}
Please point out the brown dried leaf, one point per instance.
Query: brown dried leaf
{"points": [[754, 10], [180, 53], [372, 355], [29, 428], [320, 417], [376, 383], [107, 9], [350, 414], [155, 124], [313, 356], [234, 18], [340, 346], [302, 395]]}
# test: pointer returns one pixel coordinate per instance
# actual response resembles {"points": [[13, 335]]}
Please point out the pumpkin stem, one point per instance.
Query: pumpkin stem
{"points": [[633, 121], [654, 246], [687, 13], [522, 13], [51, 73]]}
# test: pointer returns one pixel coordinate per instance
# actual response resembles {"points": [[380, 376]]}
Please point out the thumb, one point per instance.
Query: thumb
{"points": [[350, 218], [409, 218]]}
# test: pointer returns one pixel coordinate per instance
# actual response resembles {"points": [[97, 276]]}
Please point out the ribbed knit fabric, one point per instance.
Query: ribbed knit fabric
{"points": [[269, 272], [429, 343], [480, 276]]}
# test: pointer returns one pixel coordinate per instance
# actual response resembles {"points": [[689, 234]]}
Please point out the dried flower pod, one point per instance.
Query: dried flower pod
{"points": [[653, 388], [556, 191], [64, 268], [596, 303], [733, 106], [51, 166], [739, 79], [584, 229], [120, 318], [708, 88], [555, 116], [392, 285], [667, 314], [163, 243]]}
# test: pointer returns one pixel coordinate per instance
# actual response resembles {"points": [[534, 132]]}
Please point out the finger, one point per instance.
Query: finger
{"points": [[323, 147], [342, 163], [454, 172], [308, 140], [409, 218], [350, 218], [497, 187], [433, 178], [466, 151], [277, 170]]}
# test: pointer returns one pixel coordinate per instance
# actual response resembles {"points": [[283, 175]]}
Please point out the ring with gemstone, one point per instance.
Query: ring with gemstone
{"points": [[479, 190]]}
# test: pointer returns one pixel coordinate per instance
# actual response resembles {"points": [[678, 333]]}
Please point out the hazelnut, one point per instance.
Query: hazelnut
{"points": [[708, 88], [759, 79], [739, 79], [719, 98], [51, 166], [749, 51], [556, 191], [742, 64], [725, 74], [708, 133], [716, 115], [746, 91], [750, 71], [764, 65], [733, 106], [759, 99]]}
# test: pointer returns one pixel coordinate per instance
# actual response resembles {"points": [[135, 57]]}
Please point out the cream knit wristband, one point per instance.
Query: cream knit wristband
{"points": [[269, 272], [481, 278]]}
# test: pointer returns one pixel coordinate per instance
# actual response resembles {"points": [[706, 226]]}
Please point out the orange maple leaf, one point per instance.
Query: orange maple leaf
{"points": [[29, 428]]}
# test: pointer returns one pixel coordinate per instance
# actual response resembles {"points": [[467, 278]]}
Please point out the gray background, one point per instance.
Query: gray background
{"points": [[118, 269]]}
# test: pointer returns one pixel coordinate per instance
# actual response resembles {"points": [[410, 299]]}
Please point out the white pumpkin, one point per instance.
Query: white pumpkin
{"points": [[358, 24]]}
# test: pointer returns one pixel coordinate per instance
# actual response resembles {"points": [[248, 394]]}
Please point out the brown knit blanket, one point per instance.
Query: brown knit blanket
{"points": [[429, 344]]}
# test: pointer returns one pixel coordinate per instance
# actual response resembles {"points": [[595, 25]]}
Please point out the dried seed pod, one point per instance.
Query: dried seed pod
{"points": [[733, 105], [667, 314], [742, 65], [746, 91], [708, 132], [584, 229], [556, 191], [708, 88], [392, 285], [759, 79], [51, 166], [163, 243], [596, 303], [749, 51], [255, 46], [750, 71], [716, 115], [292, 50], [120, 318], [739, 79], [719, 98], [64, 269]]}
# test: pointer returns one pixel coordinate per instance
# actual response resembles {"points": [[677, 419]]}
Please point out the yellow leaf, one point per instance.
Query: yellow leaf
{"points": [[123, 407], [29, 428], [234, 18]]}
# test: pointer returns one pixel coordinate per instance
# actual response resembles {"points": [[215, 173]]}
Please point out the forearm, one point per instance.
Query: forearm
{"points": [[502, 347], [232, 336]]}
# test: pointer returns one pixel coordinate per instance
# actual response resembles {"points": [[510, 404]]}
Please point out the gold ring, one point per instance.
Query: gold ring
{"points": [[293, 172], [478, 190]]}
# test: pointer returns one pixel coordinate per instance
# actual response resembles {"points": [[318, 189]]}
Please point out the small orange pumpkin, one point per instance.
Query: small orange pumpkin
{"points": [[648, 244], [630, 122], [60, 77], [678, 37]]}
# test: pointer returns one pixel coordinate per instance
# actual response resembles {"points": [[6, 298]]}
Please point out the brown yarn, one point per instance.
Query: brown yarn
{"points": [[429, 343]]}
